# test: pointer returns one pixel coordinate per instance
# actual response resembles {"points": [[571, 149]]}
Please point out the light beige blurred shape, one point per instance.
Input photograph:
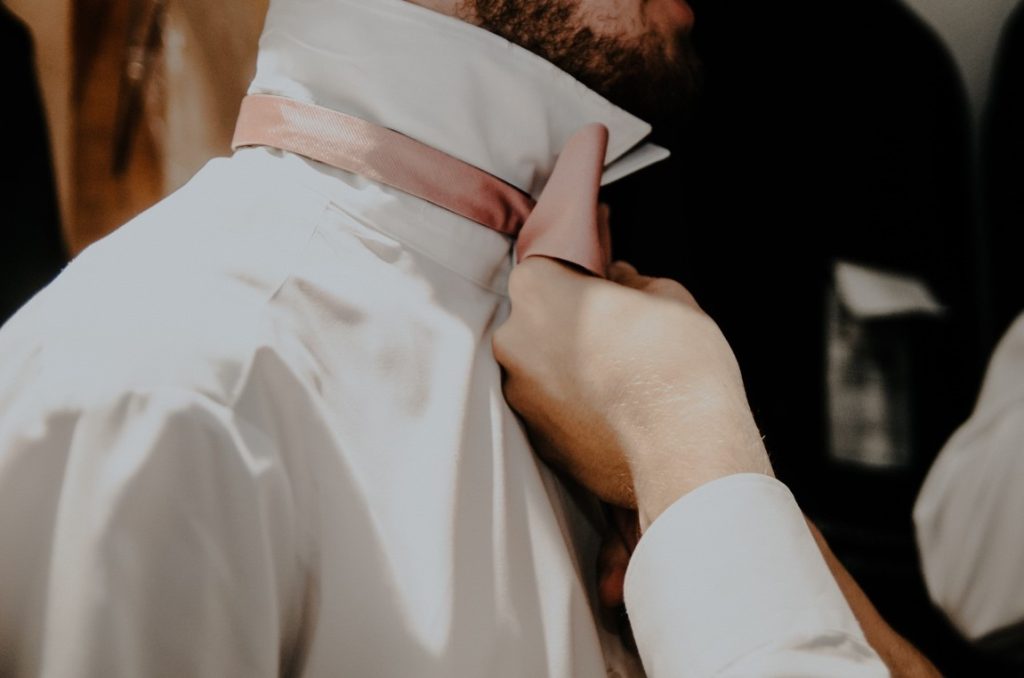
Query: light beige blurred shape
{"points": [[210, 57]]}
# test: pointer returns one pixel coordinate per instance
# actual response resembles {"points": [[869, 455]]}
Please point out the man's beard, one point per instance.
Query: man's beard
{"points": [[637, 74]]}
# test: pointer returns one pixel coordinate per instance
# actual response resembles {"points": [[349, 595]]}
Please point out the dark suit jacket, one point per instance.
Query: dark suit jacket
{"points": [[32, 252]]}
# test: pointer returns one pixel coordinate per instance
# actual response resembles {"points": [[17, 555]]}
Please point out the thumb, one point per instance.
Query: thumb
{"points": [[565, 224]]}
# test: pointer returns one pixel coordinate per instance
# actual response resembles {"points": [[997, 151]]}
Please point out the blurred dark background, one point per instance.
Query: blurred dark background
{"points": [[33, 252], [834, 135]]}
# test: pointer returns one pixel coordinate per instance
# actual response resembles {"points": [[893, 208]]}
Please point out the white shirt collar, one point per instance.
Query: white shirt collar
{"points": [[454, 86]]}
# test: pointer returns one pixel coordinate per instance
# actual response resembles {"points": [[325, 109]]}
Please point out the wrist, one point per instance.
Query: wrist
{"points": [[655, 496], [664, 474]]}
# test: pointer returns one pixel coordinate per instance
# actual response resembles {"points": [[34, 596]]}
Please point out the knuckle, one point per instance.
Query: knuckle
{"points": [[529, 275], [520, 281], [506, 347], [670, 289], [501, 344], [664, 286]]}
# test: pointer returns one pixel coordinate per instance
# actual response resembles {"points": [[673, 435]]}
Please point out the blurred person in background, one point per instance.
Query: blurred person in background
{"points": [[968, 515]]}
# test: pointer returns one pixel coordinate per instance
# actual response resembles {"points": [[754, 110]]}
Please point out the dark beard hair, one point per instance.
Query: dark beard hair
{"points": [[636, 75]]}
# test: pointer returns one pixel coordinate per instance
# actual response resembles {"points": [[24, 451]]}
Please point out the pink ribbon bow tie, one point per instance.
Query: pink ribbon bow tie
{"points": [[563, 224]]}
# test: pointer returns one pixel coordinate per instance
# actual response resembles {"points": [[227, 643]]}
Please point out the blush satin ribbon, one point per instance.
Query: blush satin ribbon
{"points": [[565, 222]]}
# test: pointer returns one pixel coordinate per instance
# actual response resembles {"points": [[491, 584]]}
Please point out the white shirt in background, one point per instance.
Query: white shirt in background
{"points": [[970, 513]]}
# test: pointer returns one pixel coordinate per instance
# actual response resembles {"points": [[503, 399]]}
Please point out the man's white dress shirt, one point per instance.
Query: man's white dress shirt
{"points": [[259, 429], [970, 511]]}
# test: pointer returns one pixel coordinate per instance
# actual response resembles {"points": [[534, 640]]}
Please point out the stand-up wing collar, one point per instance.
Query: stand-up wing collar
{"points": [[444, 82]]}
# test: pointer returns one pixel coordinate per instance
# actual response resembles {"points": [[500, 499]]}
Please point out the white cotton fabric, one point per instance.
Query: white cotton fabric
{"points": [[729, 582]]}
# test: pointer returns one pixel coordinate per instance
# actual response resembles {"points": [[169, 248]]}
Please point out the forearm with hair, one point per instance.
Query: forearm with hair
{"points": [[903, 659]]}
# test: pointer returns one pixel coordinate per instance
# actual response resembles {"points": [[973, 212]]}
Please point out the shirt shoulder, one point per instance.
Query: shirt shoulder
{"points": [[177, 298]]}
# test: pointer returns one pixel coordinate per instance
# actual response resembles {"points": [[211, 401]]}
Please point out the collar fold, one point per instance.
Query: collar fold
{"points": [[441, 81]]}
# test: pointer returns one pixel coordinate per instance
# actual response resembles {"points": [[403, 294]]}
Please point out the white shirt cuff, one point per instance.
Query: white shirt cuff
{"points": [[729, 571]]}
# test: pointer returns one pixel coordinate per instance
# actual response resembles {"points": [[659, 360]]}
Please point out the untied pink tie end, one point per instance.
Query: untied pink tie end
{"points": [[567, 222]]}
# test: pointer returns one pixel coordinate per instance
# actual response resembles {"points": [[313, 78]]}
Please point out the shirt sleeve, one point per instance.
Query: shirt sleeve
{"points": [[146, 537], [968, 514], [728, 581]]}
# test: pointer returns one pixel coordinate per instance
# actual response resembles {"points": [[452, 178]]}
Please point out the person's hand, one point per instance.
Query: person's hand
{"points": [[625, 384]]}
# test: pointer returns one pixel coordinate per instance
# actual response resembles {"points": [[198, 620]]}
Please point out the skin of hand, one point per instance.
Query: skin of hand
{"points": [[641, 389], [639, 398]]}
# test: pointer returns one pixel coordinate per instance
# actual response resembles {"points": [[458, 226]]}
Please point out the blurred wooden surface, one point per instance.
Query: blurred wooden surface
{"points": [[207, 61], [105, 201], [210, 60]]}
